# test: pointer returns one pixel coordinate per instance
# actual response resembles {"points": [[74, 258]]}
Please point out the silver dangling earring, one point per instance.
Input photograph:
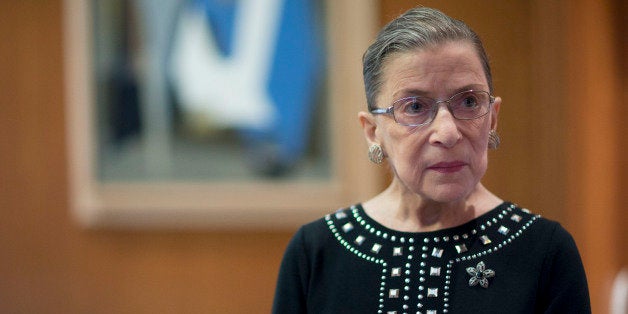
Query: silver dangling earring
{"points": [[493, 139], [376, 154]]}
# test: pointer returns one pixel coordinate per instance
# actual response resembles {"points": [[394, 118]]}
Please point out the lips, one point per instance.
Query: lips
{"points": [[448, 167]]}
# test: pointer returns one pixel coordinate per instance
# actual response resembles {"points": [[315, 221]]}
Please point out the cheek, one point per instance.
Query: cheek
{"points": [[478, 138], [390, 138], [409, 156], [476, 131], [405, 151]]}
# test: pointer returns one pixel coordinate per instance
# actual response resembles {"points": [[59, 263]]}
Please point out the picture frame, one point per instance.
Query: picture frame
{"points": [[213, 204]]}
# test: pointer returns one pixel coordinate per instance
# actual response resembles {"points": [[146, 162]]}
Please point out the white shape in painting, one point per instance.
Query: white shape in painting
{"points": [[228, 91]]}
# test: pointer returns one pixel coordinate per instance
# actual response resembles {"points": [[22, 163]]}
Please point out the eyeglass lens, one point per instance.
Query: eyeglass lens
{"points": [[419, 110]]}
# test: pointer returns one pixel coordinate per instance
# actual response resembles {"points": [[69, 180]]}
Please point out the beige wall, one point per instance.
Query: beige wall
{"points": [[47, 264]]}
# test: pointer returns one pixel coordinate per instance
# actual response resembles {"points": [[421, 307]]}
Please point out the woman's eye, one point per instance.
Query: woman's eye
{"points": [[469, 102], [414, 106]]}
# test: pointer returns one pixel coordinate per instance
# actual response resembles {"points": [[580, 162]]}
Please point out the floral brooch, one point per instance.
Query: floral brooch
{"points": [[480, 274]]}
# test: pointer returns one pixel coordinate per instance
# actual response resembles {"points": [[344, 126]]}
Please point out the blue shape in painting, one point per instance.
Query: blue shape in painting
{"points": [[220, 16], [295, 76], [294, 80]]}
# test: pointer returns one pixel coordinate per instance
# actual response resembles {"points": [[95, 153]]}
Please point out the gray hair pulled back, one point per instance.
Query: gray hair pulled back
{"points": [[417, 28]]}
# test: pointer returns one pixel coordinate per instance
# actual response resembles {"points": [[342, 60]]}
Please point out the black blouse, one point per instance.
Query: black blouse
{"points": [[505, 261]]}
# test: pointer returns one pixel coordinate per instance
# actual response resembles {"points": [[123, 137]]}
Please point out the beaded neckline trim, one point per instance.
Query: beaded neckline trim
{"points": [[417, 268]]}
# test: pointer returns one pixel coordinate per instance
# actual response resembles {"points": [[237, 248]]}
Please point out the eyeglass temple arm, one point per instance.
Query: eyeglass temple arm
{"points": [[381, 110]]}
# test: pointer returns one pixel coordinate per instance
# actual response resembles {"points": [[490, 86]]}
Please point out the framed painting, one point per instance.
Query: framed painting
{"points": [[215, 113]]}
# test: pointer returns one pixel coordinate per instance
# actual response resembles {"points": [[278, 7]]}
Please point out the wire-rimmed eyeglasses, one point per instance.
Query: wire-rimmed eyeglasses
{"points": [[420, 110]]}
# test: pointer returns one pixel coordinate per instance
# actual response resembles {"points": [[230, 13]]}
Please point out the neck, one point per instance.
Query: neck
{"points": [[399, 209]]}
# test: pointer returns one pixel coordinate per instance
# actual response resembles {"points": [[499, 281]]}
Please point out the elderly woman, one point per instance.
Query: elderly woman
{"points": [[436, 240]]}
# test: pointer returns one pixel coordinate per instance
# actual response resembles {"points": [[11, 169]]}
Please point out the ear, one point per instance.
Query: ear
{"points": [[369, 127], [495, 112]]}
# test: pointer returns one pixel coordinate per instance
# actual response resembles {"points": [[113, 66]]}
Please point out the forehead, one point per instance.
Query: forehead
{"points": [[435, 71]]}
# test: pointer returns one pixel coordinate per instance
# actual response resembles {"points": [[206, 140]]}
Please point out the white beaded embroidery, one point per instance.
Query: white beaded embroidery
{"points": [[437, 252]]}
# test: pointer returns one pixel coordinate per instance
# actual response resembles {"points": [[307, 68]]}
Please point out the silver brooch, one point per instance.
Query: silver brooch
{"points": [[480, 274]]}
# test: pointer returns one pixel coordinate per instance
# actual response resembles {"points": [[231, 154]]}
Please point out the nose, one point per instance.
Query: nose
{"points": [[444, 130]]}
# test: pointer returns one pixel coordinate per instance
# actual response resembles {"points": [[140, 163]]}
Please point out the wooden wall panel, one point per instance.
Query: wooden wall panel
{"points": [[622, 44], [47, 264], [593, 80]]}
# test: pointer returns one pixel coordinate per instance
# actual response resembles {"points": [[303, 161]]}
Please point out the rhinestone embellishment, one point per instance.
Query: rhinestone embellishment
{"points": [[347, 227], [437, 252], [461, 248], [395, 272], [434, 271], [376, 248], [503, 230], [393, 293], [340, 214]]}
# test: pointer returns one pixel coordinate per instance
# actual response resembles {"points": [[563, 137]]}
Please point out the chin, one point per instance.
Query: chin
{"points": [[448, 193]]}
